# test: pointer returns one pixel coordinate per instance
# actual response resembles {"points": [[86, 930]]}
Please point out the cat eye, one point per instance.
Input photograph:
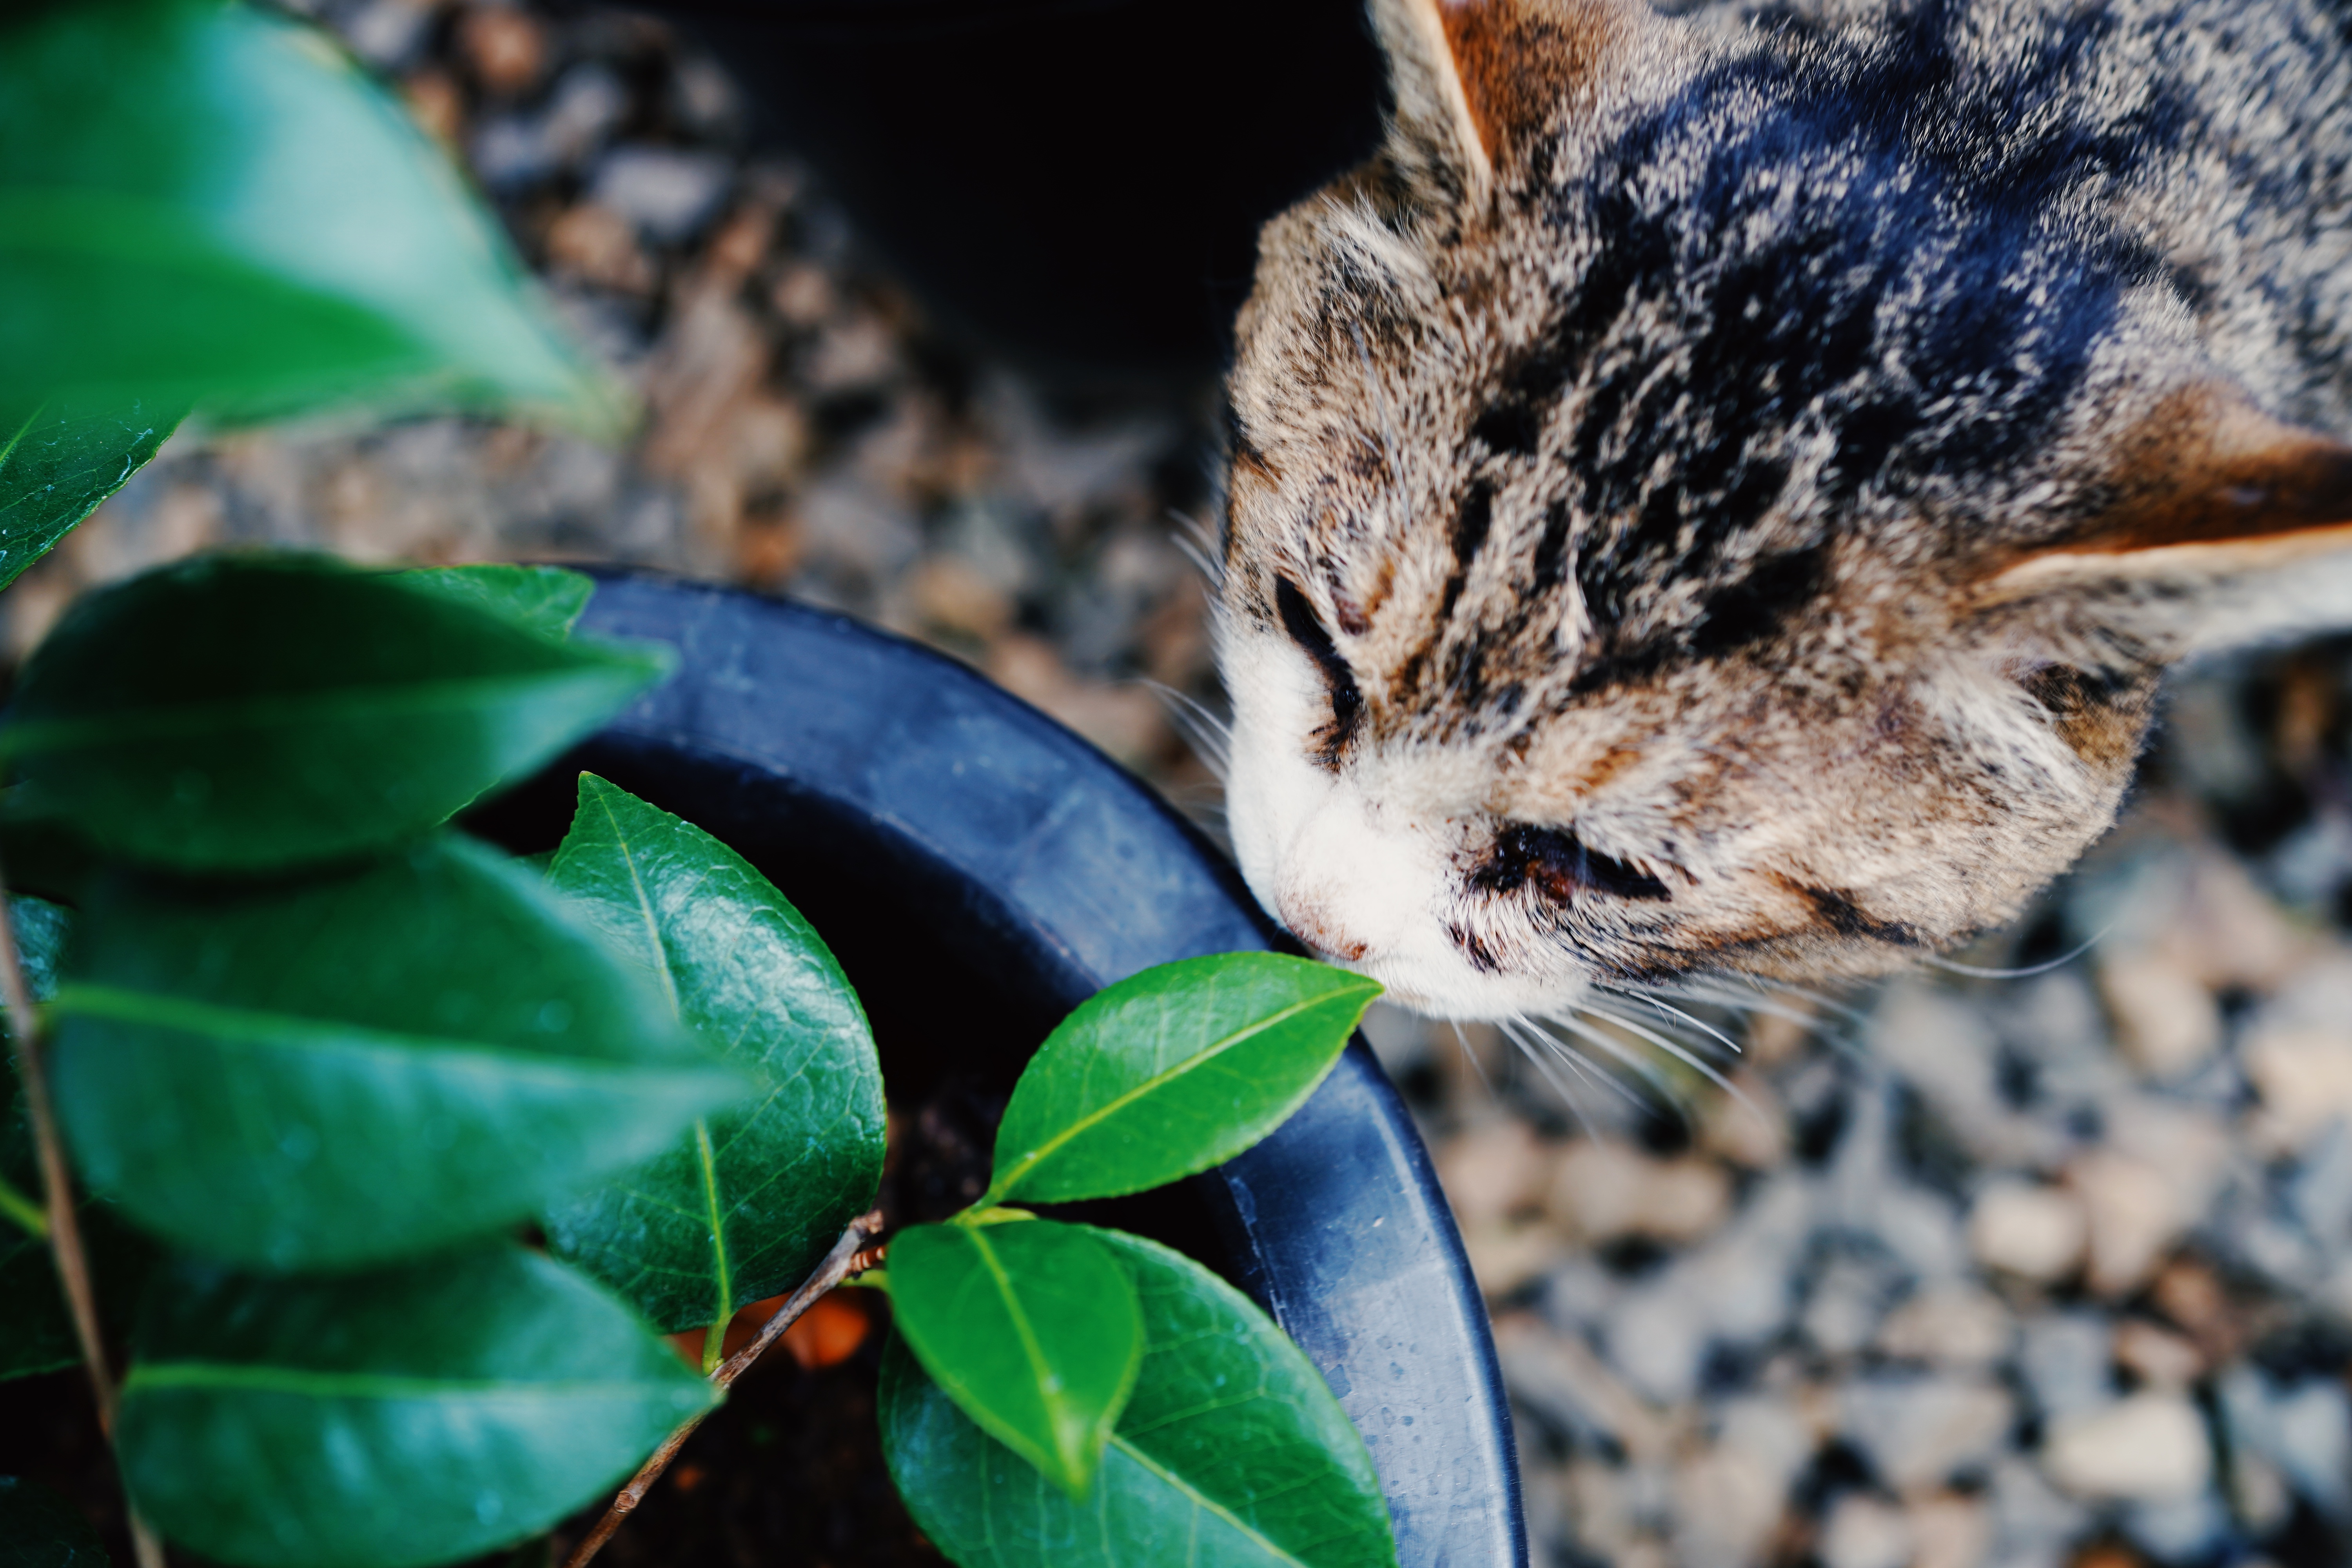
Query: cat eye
{"points": [[1300, 620], [1561, 865]]}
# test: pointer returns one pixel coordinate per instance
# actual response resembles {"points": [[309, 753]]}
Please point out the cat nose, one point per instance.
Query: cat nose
{"points": [[1311, 923]]}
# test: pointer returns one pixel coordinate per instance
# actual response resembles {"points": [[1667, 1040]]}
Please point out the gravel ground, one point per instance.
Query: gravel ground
{"points": [[1968, 1272]]}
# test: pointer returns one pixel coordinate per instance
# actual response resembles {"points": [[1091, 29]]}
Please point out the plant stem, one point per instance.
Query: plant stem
{"points": [[57, 1196], [56, 1188], [849, 1256], [714, 1339]]}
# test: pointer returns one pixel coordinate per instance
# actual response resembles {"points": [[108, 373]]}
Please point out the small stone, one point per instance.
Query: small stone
{"points": [[385, 33], [1950, 1532], [437, 106], [2147, 1447], [587, 106], [1774, 1037], [1494, 1170], [2132, 1215], [1503, 1257], [2305, 1430], [1957, 1326], [1848, 1301], [1125, 720], [851, 356], [2321, 1191], [505, 47], [1556, 1376], [2304, 1077], [2259, 1494], [666, 193], [1602, 1190], [2229, 932], [1919, 1432], [803, 296], [2158, 1359], [2066, 1361], [1947, 1053], [599, 246], [2189, 1293], [2165, 1021], [1865, 1531], [1656, 1338], [2035, 1232], [2106, 1555], [1750, 1129], [951, 595], [1729, 1503], [2032, 1523], [2179, 1530]]}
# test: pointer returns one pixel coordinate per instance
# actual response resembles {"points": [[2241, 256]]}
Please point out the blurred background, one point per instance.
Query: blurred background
{"points": [[2043, 1261]]}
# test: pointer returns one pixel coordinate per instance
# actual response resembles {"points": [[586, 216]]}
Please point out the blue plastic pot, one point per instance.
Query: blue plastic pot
{"points": [[980, 870]]}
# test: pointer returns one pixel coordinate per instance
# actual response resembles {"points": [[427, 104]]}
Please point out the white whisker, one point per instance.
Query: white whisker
{"points": [[1674, 1049], [1541, 1050], [1472, 1057], [1669, 1096], [1193, 541], [1697, 1023], [1973, 971], [1210, 736]]}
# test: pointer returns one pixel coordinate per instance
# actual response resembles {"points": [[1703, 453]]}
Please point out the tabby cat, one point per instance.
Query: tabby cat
{"points": [[1717, 491]]}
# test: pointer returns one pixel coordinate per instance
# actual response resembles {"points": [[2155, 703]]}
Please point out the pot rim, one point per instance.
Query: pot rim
{"points": [[1335, 1224]]}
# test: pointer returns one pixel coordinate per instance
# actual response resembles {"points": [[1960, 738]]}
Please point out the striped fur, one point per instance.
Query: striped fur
{"points": [[1719, 490]]}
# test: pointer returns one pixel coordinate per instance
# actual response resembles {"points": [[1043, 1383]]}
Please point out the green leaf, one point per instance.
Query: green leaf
{"points": [[205, 201], [1172, 1071], [59, 460], [547, 599], [378, 1420], [748, 1201], [38, 1529], [1231, 1451], [1032, 1328], [256, 713], [336, 1072]]}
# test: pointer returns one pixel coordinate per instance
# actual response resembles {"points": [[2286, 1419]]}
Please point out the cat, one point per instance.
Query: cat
{"points": [[1717, 492]]}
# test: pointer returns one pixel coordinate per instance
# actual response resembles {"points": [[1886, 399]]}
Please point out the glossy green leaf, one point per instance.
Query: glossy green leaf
{"points": [[547, 599], [1032, 1328], [38, 1529], [1231, 1451], [255, 712], [1172, 1071], [336, 1072], [379, 1420], [207, 201], [60, 459], [748, 1201]]}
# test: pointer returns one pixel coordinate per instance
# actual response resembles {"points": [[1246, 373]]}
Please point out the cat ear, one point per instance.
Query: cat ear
{"points": [[1472, 77], [2224, 526]]}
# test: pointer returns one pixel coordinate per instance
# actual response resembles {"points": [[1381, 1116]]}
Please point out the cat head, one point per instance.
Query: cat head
{"points": [[1721, 497]]}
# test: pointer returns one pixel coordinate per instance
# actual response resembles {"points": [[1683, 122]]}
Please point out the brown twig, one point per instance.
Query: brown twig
{"points": [[849, 1256], [56, 1188], [56, 1201]]}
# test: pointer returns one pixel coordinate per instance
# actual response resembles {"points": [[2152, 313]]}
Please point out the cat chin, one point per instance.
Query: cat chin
{"points": [[1466, 995]]}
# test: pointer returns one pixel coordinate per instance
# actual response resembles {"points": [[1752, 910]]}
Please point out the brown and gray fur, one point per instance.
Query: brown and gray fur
{"points": [[1719, 490]]}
